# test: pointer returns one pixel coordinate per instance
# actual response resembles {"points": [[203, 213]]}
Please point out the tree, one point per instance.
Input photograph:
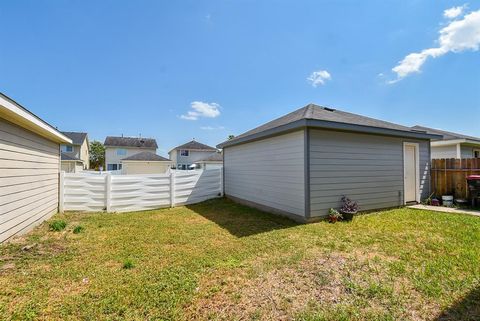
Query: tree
{"points": [[97, 155], [230, 137]]}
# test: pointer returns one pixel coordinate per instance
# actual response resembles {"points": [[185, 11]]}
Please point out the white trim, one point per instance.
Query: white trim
{"points": [[21, 117], [454, 142], [417, 172], [459, 151]]}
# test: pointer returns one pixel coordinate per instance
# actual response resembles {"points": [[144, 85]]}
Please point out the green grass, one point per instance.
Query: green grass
{"points": [[222, 261]]}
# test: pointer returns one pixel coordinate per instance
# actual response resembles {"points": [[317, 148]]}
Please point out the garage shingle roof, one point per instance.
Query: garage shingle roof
{"points": [[137, 142], [323, 116], [146, 156], [214, 157], [66, 157]]}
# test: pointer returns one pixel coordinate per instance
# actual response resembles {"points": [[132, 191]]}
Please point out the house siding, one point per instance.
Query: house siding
{"points": [[449, 151], [29, 167], [268, 173], [366, 168], [192, 157], [466, 151]]}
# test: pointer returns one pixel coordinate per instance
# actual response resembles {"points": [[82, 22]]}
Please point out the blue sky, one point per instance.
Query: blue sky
{"points": [[175, 70]]}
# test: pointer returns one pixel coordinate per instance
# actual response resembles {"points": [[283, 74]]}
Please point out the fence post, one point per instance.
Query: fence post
{"points": [[61, 193], [108, 192], [172, 188]]}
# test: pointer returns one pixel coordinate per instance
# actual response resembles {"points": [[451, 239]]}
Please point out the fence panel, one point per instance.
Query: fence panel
{"points": [[136, 192], [124, 193], [449, 176], [197, 186], [84, 192]]}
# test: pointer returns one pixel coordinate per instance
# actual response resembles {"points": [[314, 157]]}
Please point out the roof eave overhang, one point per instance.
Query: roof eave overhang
{"points": [[19, 116], [452, 142], [322, 124]]}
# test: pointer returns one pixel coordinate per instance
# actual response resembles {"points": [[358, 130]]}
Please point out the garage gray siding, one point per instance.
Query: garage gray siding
{"points": [[29, 167], [269, 172], [366, 168]]}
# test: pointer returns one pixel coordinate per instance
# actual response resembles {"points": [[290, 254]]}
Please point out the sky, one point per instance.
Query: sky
{"points": [[177, 70]]}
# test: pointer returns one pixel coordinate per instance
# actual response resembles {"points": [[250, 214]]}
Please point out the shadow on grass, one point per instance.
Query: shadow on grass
{"points": [[466, 309], [238, 219]]}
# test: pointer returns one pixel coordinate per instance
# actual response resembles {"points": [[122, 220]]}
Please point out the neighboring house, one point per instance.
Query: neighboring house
{"points": [[118, 148], [301, 164], [145, 163], [452, 145], [77, 151], [29, 169], [212, 161], [71, 164], [184, 156]]}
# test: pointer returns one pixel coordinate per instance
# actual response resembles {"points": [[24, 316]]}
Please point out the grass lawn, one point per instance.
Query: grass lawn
{"points": [[222, 261]]}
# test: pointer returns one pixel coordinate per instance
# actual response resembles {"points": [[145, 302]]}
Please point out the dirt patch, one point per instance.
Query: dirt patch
{"points": [[278, 294]]}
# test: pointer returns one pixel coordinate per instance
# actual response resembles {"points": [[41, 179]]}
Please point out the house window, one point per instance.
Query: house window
{"points": [[184, 152], [67, 148], [121, 152], [476, 153], [112, 167]]}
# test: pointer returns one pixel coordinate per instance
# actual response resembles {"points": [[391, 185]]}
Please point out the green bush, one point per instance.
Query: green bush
{"points": [[128, 264], [57, 225], [78, 229]]}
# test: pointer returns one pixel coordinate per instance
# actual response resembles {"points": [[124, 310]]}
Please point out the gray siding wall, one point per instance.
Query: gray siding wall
{"points": [[366, 168], [29, 167], [268, 172]]}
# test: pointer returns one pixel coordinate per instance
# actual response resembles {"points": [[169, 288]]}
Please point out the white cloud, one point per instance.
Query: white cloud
{"points": [[457, 36], [319, 77], [201, 109], [454, 12], [212, 128]]}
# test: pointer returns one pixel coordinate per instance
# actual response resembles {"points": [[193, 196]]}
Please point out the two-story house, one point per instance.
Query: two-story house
{"points": [[118, 148], [184, 156], [75, 156]]}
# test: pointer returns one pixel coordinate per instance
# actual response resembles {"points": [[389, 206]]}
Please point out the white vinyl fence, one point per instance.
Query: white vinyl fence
{"points": [[124, 193]]}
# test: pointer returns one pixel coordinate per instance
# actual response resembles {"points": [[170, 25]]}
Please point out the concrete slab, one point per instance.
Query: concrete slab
{"points": [[445, 209]]}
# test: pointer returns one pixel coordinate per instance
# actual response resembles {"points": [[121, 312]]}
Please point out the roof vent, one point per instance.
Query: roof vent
{"points": [[328, 109]]}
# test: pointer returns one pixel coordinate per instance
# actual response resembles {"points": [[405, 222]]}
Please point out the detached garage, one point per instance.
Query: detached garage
{"points": [[29, 169], [301, 164]]}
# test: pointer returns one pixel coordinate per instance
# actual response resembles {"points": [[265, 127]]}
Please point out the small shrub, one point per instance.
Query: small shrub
{"points": [[57, 225], [334, 215], [128, 264], [78, 229]]}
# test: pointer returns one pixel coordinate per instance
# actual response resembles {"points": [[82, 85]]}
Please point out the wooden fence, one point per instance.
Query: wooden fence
{"points": [[125, 193], [449, 176]]}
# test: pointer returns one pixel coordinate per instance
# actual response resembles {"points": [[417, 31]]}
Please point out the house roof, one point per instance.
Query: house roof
{"points": [[213, 157], [446, 135], [138, 142], [146, 156], [77, 138], [66, 157], [13, 112], [324, 117], [194, 145]]}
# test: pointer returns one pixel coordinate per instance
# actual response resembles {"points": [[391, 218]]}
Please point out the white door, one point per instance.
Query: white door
{"points": [[410, 179]]}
